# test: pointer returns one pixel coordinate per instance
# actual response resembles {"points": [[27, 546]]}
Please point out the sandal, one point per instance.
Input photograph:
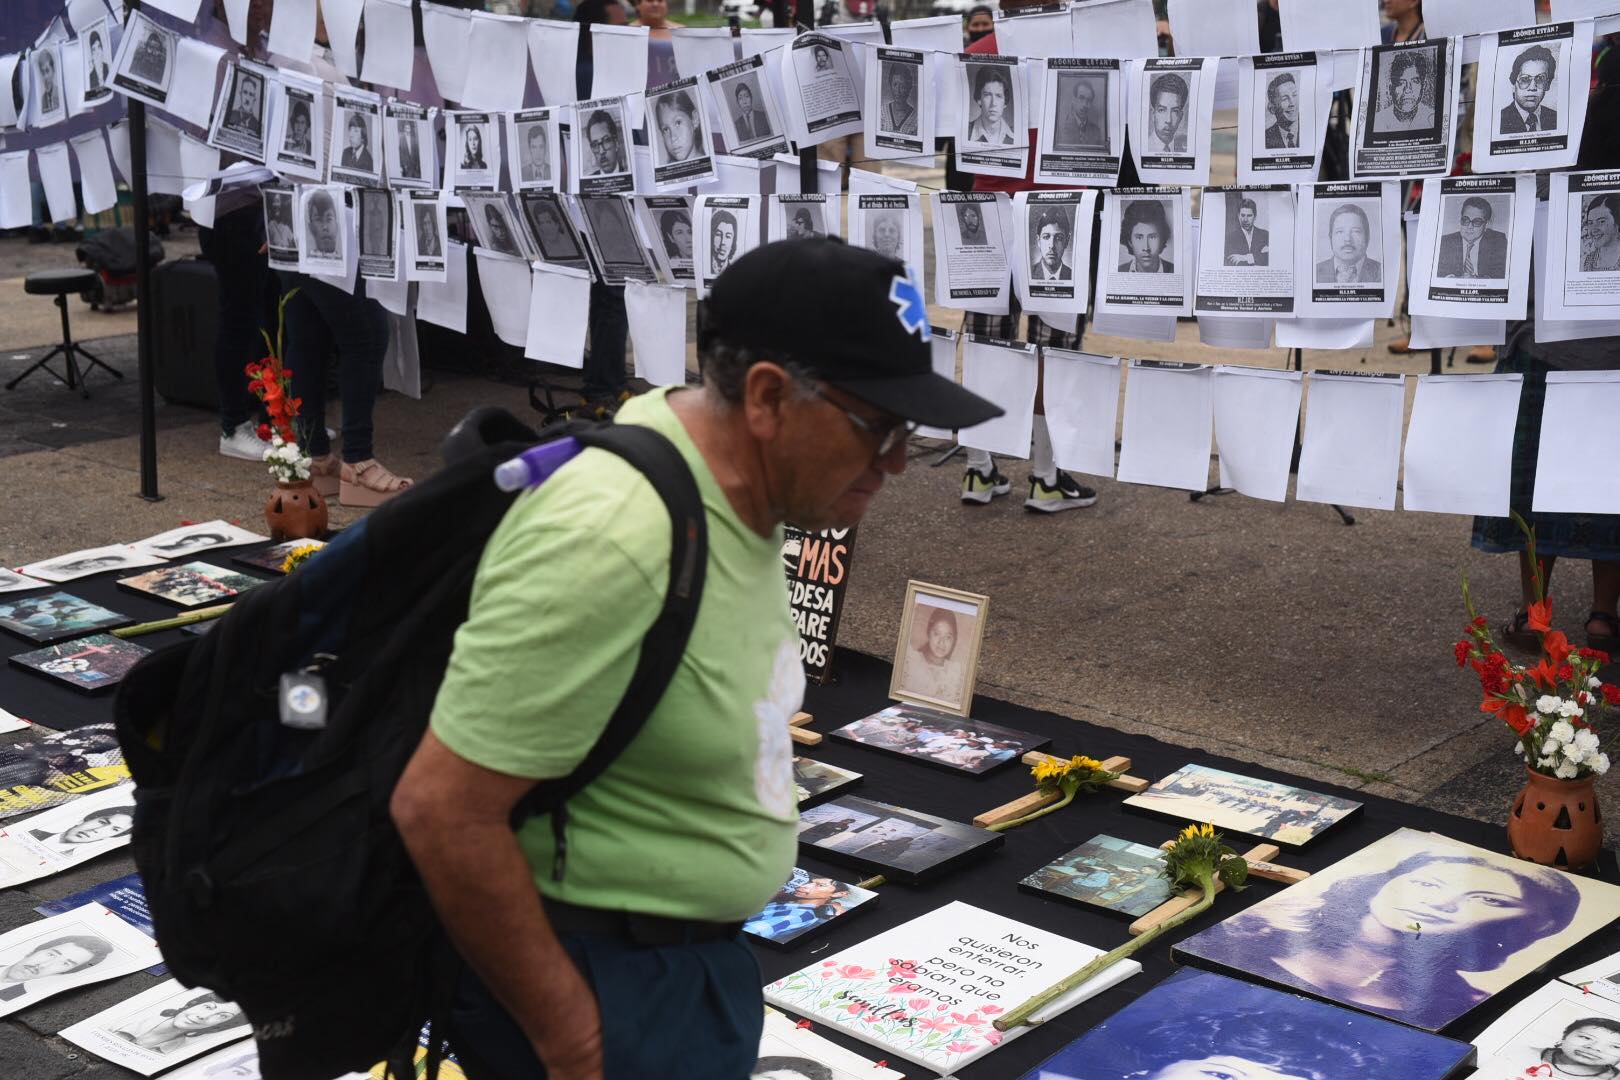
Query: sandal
{"points": [[325, 474], [368, 483], [1514, 633], [1609, 642]]}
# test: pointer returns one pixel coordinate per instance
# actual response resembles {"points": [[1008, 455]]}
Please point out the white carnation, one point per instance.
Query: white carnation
{"points": [[1600, 764], [1544, 763], [1547, 703], [1568, 709], [1518, 748], [1567, 771], [1594, 682], [1574, 752], [1586, 739], [1561, 731]]}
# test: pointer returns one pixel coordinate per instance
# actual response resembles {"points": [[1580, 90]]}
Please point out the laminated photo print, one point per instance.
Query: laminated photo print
{"points": [[1471, 252], [682, 144], [297, 146], [1404, 103], [954, 742], [822, 83], [1279, 812], [1082, 131], [905, 846], [667, 219], [614, 240], [803, 906], [1414, 927], [750, 118], [1246, 252], [1198, 1024], [56, 616], [96, 56], [59, 767], [1172, 111], [1052, 266], [1347, 250], [425, 236], [472, 151], [899, 102], [191, 584], [891, 225], [1558, 1031], [65, 836], [11, 581], [79, 564], [1583, 247], [76, 948], [144, 66], [1283, 105], [535, 161], [240, 110], [799, 217], [1105, 872], [50, 90], [992, 135], [90, 664], [728, 227], [557, 239], [356, 152], [323, 229], [378, 233], [274, 557], [602, 139], [972, 268], [1144, 265], [190, 538], [409, 144], [815, 781], [494, 220], [1531, 102], [161, 1027]]}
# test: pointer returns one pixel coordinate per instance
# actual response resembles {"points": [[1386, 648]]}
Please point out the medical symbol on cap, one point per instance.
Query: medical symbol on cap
{"points": [[908, 305]]}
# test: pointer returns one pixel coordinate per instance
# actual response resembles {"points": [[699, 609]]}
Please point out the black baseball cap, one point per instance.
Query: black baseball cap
{"points": [[854, 318]]}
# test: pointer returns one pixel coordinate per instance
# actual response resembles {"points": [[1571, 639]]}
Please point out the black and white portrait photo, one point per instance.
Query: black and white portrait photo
{"points": [[681, 149], [1282, 111], [898, 101], [81, 946], [1146, 236], [727, 226], [533, 133], [604, 135], [356, 155], [723, 230], [1164, 113], [898, 112], [96, 56], [1530, 76], [675, 237], [491, 216], [298, 142], [49, 95], [970, 224], [1600, 233], [407, 131], [428, 244], [554, 235], [472, 151], [1349, 245], [1051, 233], [750, 118], [1081, 125], [801, 223], [1407, 86], [377, 233], [746, 106], [991, 105], [425, 237], [166, 1024], [239, 113], [886, 234], [356, 152], [602, 147], [1082, 112], [324, 229], [1532, 92], [409, 145], [146, 58], [1474, 236], [280, 233], [1248, 243], [614, 235]]}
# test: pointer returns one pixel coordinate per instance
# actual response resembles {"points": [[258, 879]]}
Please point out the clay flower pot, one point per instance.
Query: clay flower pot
{"points": [[296, 511], [1556, 822]]}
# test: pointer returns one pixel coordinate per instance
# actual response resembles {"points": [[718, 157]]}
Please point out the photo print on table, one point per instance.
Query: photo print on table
{"points": [[992, 133], [191, 584], [494, 220], [611, 233], [1601, 977], [790, 1052], [274, 557], [1082, 130], [1262, 808], [815, 781], [944, 739], [57, 616], [728, 228], [535, 159], [751, 121], [90, 664], [378, 233], [144, 66], [937, 658], [1404, 107], [50, 91], [668, 220], [161, 1027], [602, 164], [1105, 872], [356, 151], [65, 836], [1197, 1025], [297, 145], [425, 236], [11, 581], [972, 266], [899, 103], [1558, 1031], [409, 144], [96, 56], [1414, 927], [281, 226], [86, 945], [1246, 252], [804, 905], [58, 767], [240, 110], [79, 564], [824, 73], [906, 846], [682, 147], [472, 150], [552, 228], [1534, 113], [325, 227]]}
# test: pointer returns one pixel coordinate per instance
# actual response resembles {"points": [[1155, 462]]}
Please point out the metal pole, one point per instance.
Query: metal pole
{"points": [[809, 178], [143, 296]]}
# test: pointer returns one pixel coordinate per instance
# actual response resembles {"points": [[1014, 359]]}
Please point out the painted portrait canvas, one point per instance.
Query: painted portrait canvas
{"points": [[1197, 1025], [1415, 927], [804, 905], [903, 845], [1278, 812], [815, 781], [1105, 872], [937, 738]]}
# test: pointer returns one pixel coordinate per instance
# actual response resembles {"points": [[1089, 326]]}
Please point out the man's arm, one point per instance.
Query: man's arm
{"points": [[455, 819]]}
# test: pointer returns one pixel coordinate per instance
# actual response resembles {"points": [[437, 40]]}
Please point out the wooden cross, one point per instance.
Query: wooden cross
{"points": [[798, 733], [1260, 865], [1028, 804]]}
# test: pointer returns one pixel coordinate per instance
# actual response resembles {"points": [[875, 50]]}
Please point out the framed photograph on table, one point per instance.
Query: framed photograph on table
{"points": [[937, 658]]}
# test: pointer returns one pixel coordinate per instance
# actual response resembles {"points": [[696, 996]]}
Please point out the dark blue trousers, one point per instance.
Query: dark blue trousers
{"points": [[323, 321], [232, 245]]}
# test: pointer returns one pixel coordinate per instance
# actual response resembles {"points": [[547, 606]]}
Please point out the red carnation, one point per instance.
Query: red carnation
{"points": [[1611, 694], [1595, 654], [1566, 672], [264, 432], [1463, 648]]}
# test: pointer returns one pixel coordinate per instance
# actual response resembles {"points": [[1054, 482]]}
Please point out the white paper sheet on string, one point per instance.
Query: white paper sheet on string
{"points": [[1216, 27], [82, 14], [1169, 417], [553, 46], [506, 287], [391, 44], [1324, 333], [936, 33], [559, 302], [236, 20], [498, 66], [657, 317], [8, 102], [448, 33], [755, 40], [1566, 10], [56, 176], [1117, 29], [1256, 416], [1452, 18], [184, 10], [1450, 411], [1352, 445], [1135, 327], [292, 29], [699, 48], [444, 303], [1311, 25], [1438, 332], [118, 147], [1578, 427], [786, 170], [1082, 409], [96, 187], [342, 21], [619, 60], [73, 75], [1035, 32], [165, 174], [16, 197], [1232, 332], [1003, 372], [942, 356]]}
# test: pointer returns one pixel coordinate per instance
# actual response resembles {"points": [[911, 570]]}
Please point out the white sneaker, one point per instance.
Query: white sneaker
{"points": [[244, 443]]}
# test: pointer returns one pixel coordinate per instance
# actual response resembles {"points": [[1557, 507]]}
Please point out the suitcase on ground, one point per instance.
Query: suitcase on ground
{"points": [[185, 320]]}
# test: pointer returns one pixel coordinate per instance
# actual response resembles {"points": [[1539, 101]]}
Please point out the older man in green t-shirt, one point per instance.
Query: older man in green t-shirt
{"points": [[817, 365]]}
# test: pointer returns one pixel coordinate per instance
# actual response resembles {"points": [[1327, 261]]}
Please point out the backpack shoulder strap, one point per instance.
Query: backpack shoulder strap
{"points": [[657, 458]]}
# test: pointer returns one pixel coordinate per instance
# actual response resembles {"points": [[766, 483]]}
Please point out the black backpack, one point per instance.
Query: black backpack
{"points": [[273, 871]]}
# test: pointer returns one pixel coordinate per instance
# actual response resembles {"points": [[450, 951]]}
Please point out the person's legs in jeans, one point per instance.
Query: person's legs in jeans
{"points": [[604, 361], [232, 245], [307, 348]]}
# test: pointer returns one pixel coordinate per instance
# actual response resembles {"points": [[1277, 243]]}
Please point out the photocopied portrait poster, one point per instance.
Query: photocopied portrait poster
{"points": [[76, 948], [992, 134], [823, 86], [899, 102], [1347, 250], [971, 266], [1574, 1032], [555, 222], [1082, 132], [615, 241], [1583, 246], [1246, 252], [728, 226], [891, 225], [751, 121], [66, 835], [667, 221], [281, 225], [297, 146], [798, 217], [472, 151], [1471, 255], [241, 109], [409, 144], [1405, 98], [1531, 95], [681, 139], [1283, 105], [356, 152], [144, 67], [326, 229], [1144, 263], [425, 236], [1171, 112], [161, 1027], [378, 213], [1052, 264]]}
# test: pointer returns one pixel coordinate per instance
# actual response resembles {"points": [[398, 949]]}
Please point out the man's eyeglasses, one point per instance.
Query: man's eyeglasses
{"points": [[605, 144], [1474, 222], [1532, 82], [889, 432]]}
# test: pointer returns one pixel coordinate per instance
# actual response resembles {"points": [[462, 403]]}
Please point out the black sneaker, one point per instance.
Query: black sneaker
{"points": [[1065, 494], [978, 487]]}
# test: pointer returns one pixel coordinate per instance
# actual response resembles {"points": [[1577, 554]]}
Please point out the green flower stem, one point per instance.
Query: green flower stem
{"points": [[1022, 1014], [200, 615], [872, 882], [1003, 826]]}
